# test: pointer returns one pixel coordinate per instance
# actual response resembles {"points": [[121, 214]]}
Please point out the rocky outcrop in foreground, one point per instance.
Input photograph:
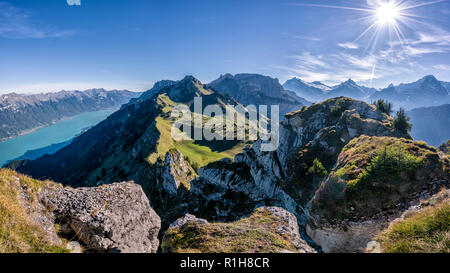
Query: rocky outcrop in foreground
{"points": [[376, 180], [109, 218], [266, 230], [35, 215]]}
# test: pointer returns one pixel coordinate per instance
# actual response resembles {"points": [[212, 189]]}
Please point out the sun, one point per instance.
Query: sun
{"points": [[387, 13], [384, 16]]}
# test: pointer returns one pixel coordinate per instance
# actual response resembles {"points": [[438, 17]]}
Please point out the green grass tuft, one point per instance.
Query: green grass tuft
{"points": [[427, 231]]}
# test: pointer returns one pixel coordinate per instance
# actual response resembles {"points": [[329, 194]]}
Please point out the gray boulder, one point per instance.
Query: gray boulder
{"points": [[109, 218]]}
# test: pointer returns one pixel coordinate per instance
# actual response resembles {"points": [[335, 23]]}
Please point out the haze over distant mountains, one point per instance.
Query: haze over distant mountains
{"points": [[427, 91], [21, 113], [431, 124], [317, 91]]}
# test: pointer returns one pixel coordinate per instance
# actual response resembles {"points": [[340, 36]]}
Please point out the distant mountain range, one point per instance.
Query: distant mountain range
{"points": [[427, 91], [21, 113], [431, 124], [317, 91]]}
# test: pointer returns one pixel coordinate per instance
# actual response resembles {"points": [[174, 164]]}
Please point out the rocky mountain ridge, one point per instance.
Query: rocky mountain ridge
{"points": [[256, 89], [135, 143]]}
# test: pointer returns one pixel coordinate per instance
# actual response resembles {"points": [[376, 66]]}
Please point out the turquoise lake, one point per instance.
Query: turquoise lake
{"points": [[57, 133]]}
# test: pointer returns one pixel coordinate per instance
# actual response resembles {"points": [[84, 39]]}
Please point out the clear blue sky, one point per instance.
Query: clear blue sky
{"points": [[51, 45]]}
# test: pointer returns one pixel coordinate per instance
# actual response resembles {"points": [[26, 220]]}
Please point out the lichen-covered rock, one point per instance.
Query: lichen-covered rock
{"points": [[375, 180], [109, 218], [187, 219], [266, 230]]}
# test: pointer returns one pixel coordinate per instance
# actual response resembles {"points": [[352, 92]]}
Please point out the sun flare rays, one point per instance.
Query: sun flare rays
{"points": [[390, 16]]}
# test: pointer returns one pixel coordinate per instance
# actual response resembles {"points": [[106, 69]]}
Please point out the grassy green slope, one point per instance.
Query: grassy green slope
{"points": [[198, 155]]}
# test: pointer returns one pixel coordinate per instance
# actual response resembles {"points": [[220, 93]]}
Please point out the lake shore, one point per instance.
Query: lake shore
{"points": [[57, 132], [30, 131]]}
